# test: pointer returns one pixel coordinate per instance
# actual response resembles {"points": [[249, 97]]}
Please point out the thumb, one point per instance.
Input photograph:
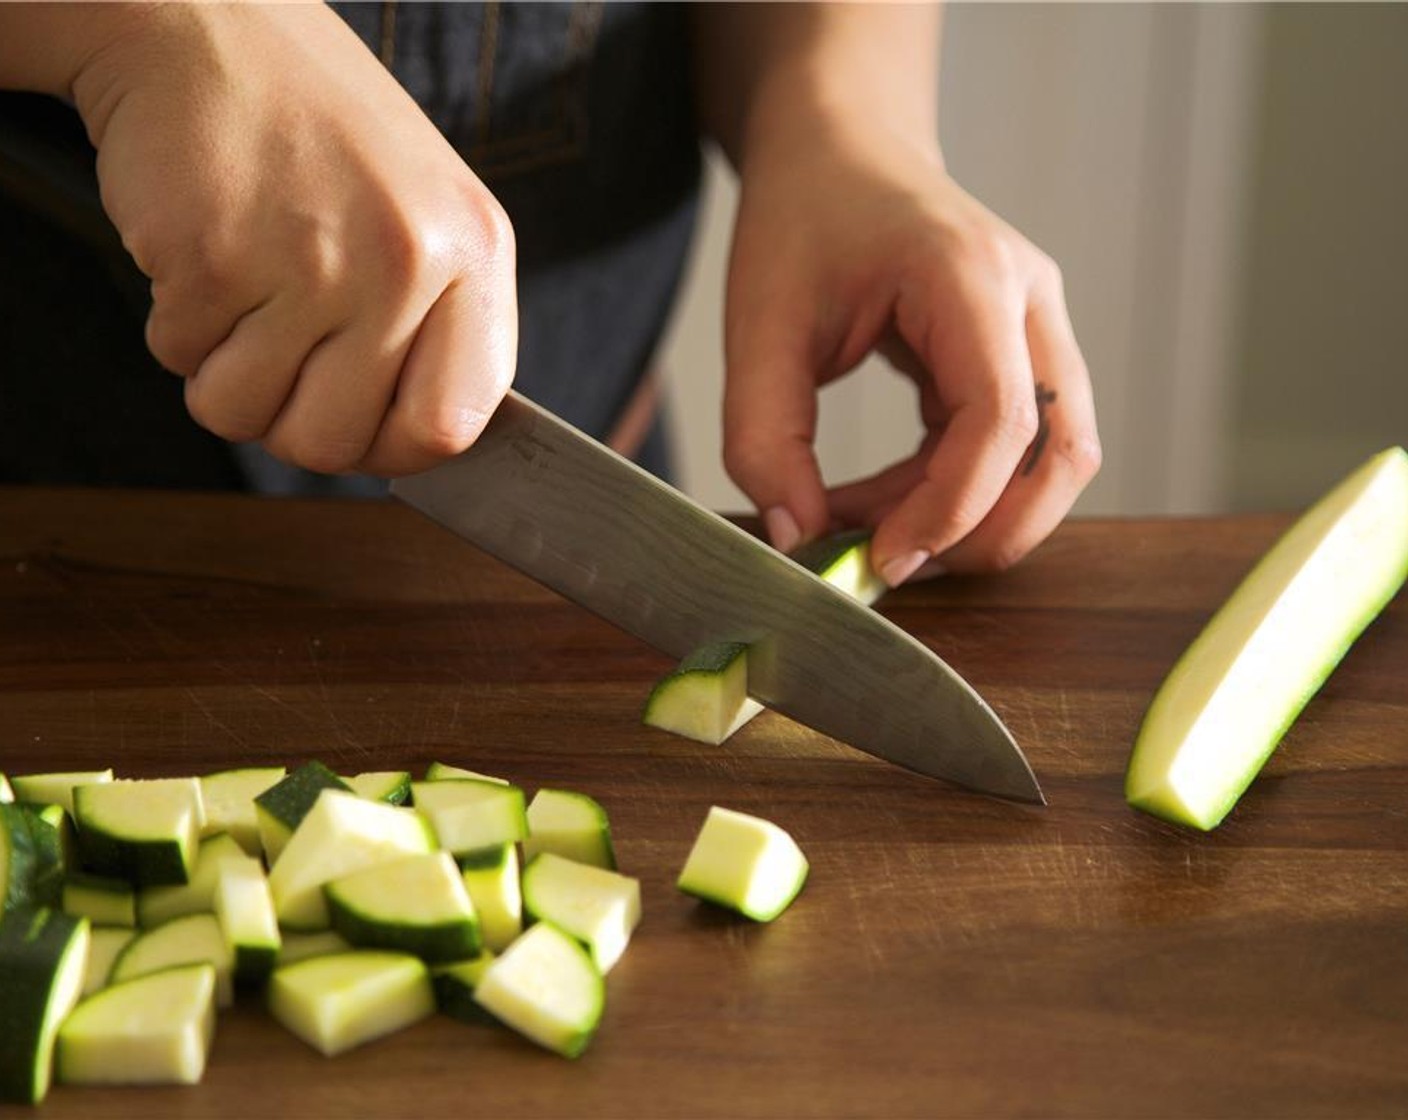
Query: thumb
{"points": [[770, 413]]}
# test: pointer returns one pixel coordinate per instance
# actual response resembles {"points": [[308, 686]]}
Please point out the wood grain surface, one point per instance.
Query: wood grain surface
{"points": [[952, 955]]}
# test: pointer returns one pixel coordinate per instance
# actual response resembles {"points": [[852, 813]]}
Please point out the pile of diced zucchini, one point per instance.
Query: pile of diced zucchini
{"points": [[131, 910]]}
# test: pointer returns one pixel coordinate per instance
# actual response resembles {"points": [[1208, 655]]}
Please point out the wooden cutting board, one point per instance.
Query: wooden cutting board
{"points": [[951, 955]]}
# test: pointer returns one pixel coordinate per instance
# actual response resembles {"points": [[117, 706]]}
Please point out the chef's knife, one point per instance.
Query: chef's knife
{"points": [[560, 507]]}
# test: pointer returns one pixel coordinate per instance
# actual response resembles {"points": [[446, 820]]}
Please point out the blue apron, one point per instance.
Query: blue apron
{"points": [[578, 116]]}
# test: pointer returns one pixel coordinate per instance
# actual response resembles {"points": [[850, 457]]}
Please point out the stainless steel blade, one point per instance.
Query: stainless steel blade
{"points": [[541, 496]]}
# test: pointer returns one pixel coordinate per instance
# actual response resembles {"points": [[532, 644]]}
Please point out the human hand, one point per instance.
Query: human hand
{"points": [[851, 240], [327, 274]]}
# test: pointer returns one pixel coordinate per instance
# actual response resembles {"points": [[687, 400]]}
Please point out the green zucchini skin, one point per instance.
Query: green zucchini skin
{"points": [[417, 905], [114, 842], [454, 985], [19, 859], [52, 836], [281, 808], [43, 957]]}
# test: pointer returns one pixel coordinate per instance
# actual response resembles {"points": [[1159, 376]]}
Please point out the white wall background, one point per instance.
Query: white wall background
{"points": [[1130, 142]]}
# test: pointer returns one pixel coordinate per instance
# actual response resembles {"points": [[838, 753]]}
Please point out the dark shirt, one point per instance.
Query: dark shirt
{"points": [[577, 116]]}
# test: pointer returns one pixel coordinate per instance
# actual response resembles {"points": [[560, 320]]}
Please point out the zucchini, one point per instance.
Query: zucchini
{"points": [[471, 813], [545, 987], [297, 947], [705, 697], [155, 1030], [43, 957], [339, 1002], [104, 901], [160, 904], [192, 939], [145, 831], [417, 904], [391, 786], [245, 911], [55, 789], [341, 834], [491, 877], [599, 908], [1231, 697], [280, 808], [744, 863], [571, 824], [7, 794], [52, 833], [105, 943], [440, 771], [19, 859], [454, 985], [229, 803]]}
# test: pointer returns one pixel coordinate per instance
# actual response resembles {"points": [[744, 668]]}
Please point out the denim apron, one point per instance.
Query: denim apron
{"points": [[578, 117]]}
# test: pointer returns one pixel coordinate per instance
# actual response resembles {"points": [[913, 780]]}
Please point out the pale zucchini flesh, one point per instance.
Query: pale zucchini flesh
{"points": [[545, 987], [1234, 693], [144, 830], [229, 803], [193, 939], [153, 1030], [469, 814], [491, 876], [7, 793], [391, 786], [105, 945], [281, 808], [570, 824], [244, 909], [339, 1002], [744, 863], [442, 771], [55, 789], [103, 901], [417, 904], [599, 908], [160, 904], [295, 947]]}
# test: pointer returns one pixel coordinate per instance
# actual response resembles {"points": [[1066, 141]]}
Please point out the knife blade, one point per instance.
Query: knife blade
{"points": [[562, 508]]}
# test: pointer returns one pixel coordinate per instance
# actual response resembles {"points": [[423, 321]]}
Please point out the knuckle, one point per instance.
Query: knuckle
{"points": [[1016, 418], [446, 430], [1083, 453], [238, 425], [1048, 274]]}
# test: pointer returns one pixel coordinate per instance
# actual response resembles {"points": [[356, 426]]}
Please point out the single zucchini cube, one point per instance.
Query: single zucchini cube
{"points": [[571, 825], [390, 786], [744, 863], [43, 957], [103, 901], [160, 904], [599, 908], [341, 834], [545, 987], [192, 939], [417, 904], [706, 697], [229, 803], [145, 831], [104, 947], [245, 910], [154, 1030], [281, 808], [468, 814], [55, 789], [491, 876], [339, 1002], [440, 771]]}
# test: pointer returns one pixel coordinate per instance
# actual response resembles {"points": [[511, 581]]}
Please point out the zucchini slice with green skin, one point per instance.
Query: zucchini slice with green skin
{"points": [[52, 832], [491, 876], [7, 794], [55, 789], [468, 814], [103, 901], [297, 947], [454, 985], [160, 904], [339, 1002], [154, 1030], [341, 833], [193, 939], [1240, 685], [744, 863], [229, 803], [417, 904], [599, 908], [104, 946], [281, 808], [391, 786], [19, 859], [705, 698], [43, 958], [146, 831], [440, 771], [546, 988], [571, 824], [245, 910]]}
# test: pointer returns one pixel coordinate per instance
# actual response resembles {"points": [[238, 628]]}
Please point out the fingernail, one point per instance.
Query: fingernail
{"points": [[782, 529], [899, 568]]}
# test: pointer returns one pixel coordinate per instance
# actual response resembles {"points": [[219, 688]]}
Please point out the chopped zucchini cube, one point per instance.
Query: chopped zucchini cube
{"points": [[339, 1002], [43, 958], [572, 825], [599, 908], [744, 863], [545, 987]]}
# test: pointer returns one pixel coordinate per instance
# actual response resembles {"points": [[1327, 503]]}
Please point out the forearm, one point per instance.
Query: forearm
{"points": [[44, 47], [767, 67]]}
